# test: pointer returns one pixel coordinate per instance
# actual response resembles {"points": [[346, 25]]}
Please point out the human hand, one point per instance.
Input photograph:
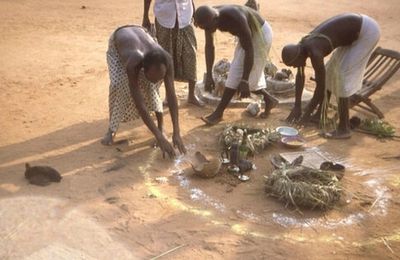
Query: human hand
{"points": [[244, 89], [306, 118], [209, 84], [294, 115], [166, 147], [178, 143]]}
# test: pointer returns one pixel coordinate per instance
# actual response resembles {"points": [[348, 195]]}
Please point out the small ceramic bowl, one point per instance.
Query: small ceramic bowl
{"points": [[293, 141], [287, 131]]}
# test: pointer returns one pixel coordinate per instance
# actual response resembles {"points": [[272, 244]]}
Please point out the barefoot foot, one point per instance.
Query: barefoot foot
{"points": [[265, 114], [272, 102], [338, 134], [108, 138], [211, 119]]}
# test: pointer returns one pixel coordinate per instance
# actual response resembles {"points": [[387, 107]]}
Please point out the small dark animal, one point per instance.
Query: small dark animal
{"points": [[41, 175]]}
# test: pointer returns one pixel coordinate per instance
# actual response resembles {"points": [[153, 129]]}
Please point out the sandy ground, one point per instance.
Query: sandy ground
{"points": [[54, 110]]}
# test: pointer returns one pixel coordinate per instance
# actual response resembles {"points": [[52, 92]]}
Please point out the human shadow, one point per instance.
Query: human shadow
{"points": [[72, 150]]}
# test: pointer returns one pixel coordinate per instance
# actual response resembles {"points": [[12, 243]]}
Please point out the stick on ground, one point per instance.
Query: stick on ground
{"points": [[169, 251]]}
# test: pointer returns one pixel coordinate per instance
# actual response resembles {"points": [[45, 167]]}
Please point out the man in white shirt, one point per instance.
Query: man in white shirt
{"points": [[175, 33]]}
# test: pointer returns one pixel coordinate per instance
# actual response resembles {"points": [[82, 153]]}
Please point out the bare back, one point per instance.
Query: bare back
{"points": [[231, 18], [133, 41], [342, 29]]}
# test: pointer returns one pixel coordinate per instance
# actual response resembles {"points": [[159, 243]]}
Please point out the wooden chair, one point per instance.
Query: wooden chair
{"points": [[382, 65]]}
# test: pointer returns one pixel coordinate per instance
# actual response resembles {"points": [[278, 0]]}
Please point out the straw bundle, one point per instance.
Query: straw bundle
{"points": [[304, 187]]}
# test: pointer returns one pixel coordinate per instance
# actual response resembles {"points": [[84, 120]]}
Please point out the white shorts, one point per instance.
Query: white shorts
{"points": [[261, 50], [345, 69]]}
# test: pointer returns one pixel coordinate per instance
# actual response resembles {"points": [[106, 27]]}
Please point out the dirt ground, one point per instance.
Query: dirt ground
{"points": [[109, 205]]}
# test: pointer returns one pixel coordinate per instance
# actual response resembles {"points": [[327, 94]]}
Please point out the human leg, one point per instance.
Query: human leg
{"points": [[216, 116], [269, 100], [108, 138], [192, 99], [160, 121], [343, 129]]}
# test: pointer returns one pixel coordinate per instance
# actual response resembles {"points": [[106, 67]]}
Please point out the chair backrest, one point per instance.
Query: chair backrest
{"points": [[381, 66]]}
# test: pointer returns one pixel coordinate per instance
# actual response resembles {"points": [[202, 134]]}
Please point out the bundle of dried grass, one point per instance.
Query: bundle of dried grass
{"points": [[257, 139], [304, 187]]}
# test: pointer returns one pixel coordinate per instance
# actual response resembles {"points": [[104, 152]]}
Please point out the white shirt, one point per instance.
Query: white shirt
{"points": [[166, 12]]}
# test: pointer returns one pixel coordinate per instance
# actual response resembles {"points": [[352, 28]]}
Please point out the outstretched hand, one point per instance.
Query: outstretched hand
{"points": [[294, 116], [305, 119], [166, 147], [209, 84], [244, 89], [178, 143]]}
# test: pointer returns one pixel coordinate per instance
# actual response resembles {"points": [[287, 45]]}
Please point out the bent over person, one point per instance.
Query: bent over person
{"points": [[352, 38], [137, 65], [247, 68], [175, 33]]}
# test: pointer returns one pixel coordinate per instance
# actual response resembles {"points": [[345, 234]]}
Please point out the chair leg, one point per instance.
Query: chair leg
{"points": [[374, 109]]}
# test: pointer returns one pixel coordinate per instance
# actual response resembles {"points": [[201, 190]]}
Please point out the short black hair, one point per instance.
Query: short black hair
{"points": [[155, 57]]}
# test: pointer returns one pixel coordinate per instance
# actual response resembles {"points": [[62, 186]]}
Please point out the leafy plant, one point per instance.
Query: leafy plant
{"points": [[378, 127]]}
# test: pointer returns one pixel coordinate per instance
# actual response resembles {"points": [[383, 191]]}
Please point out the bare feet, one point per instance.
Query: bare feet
{"points": [[272, 102], [265, 114], [195, 101], [211, 119], [108, 138], [338, 134]]}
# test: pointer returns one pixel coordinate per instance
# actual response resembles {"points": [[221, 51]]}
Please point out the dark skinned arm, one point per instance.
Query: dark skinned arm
{"points": [[146, 21], [137, 96], [194, 8], [317, 61], [295, 114], [245, 39], [210, 56], [173, 107]]}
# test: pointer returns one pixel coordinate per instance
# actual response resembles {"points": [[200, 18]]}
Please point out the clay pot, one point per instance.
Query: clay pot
{"points": [[205, 168]]}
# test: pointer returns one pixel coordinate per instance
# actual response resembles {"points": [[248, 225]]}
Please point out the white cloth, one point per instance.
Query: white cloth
{"points": [[261, 50], [345, 69], [167, 11]]}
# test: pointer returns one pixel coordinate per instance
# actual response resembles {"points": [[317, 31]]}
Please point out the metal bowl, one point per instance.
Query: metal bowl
{"points": [[293, 141], [287, 131]]}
